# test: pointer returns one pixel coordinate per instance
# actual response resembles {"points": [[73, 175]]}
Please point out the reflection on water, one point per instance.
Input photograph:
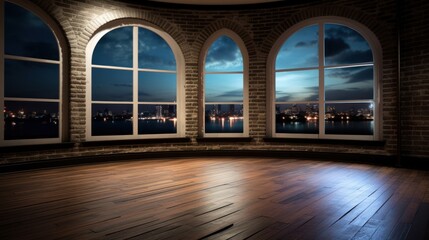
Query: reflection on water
{"points": [[157, 126], [112, 127], [298, 127], [331, 127], [224, 125], [349, 127], [125, 127]]}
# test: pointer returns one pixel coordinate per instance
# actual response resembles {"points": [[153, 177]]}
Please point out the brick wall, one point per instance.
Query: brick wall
{"points": [[415, 77], [259, 29]]}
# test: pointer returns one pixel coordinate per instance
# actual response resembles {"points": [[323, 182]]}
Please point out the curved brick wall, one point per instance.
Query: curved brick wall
{"points": [[259, 29]]}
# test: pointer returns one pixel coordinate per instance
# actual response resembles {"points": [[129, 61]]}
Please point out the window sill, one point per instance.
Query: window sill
{"points": [[326, 141], [223, 139], [134, 141], [36, 147]]}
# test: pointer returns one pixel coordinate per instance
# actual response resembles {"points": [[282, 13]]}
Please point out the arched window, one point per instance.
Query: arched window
{"points": [[326, 82], [224, 73], [135, 85], [31, 78]]}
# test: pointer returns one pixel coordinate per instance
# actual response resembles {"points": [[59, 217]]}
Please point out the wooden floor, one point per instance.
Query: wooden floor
{"points": [[215, 198]]}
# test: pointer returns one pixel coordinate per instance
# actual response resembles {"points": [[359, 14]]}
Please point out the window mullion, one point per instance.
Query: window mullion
{"points": [[321, 80], [135, 80]]}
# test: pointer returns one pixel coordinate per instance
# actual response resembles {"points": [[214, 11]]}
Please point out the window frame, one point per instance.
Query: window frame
{"points": [[203, 54], [377, 71], [179, 58], [62, 75]]}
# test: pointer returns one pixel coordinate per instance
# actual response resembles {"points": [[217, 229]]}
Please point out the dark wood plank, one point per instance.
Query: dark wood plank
{"points": [[215, 198]]}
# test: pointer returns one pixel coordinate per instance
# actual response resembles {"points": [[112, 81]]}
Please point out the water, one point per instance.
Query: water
{"points": [[105, 128], [331, 127], [149, 126], [30, 129], [349, 127], [154, 126], [298, 127], [224, 126]]}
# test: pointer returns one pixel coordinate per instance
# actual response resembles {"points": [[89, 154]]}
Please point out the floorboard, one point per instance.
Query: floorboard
{"points": [[215, 198]]}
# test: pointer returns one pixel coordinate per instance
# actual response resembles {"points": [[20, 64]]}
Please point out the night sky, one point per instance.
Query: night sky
{"points": [[342, 46], [224, 56], [115, 49], [27, 35]]}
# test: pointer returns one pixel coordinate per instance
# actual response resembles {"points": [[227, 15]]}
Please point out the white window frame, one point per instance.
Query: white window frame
{"points": [[236, 38], [377, 64], [56, 32], [180, 113]]}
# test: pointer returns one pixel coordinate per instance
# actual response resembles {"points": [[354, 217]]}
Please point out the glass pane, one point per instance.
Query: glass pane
{"points": [[349, 118], [115, 48], [224, 87], [112, 119], [27, 35], [30, 120], [300, 50], [297, 118], [349, 83], [344, 45], [157, 119], [112, 85], [25, 79], [157, 87], [297, 86], [224, 55], [224, 118], [154, 51]]}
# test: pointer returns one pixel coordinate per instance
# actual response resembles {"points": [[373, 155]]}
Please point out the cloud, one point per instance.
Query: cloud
{"points": [[351, 57], [348, 34], [335, 46], [365, 75], [157, 61], [115, 48], [301, 96], [223, 54], [344, 45], [144, 94], [349, 94], [231, 94], [306, 44], [154, 52]]}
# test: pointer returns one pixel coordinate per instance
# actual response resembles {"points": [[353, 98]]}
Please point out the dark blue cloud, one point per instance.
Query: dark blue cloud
{"points": [[349, 94], [338, 31], [115, 48], [347, 57], [27, 35], [335, 46], [352, 75], [306, 44], [364, 75], [303, 96], [233, 93], [145, 94], [224, 55], [154, 51]]}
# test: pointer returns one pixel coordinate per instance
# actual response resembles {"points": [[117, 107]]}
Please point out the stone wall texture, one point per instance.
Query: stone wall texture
{"points": [[259, 28]]}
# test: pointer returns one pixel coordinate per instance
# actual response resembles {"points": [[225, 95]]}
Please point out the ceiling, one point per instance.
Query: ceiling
{"points": [[215, 2]]}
